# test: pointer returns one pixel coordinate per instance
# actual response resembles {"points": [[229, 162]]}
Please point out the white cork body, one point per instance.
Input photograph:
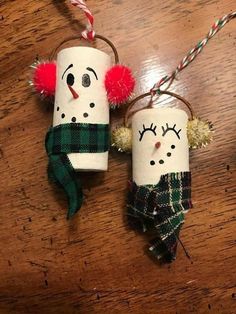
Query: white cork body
{"points": [[84, 70], [159, 144]]}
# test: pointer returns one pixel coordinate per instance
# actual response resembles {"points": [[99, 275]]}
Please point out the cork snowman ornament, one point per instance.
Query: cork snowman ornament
{"points": [[81, 98], [84, 85], [160, 190], [159, 139]]}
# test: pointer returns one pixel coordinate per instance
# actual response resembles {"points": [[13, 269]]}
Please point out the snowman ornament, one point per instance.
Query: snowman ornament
{"points": [[160, 190], [81, 98], [83, 84]]}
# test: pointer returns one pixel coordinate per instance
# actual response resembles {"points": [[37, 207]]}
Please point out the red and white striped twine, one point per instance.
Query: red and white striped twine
{"points": [[192, 54], [89, 32]]}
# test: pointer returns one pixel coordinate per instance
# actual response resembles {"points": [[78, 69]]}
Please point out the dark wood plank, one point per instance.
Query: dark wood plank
{"points": [[95, 263]]}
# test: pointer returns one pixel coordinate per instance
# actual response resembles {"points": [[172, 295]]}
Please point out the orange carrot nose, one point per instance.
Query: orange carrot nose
{"points": [[158, 144], [73, 92]]}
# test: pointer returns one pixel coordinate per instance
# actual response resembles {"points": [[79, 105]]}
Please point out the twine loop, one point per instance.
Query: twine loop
{"points": [[156, 90], [88, 33], [193, 53]]}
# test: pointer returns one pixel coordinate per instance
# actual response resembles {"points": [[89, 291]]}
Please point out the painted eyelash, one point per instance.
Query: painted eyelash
{"points": [[151, 128], [170, 129]]}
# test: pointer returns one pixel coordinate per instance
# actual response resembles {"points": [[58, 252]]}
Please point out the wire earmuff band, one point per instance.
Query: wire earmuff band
{"points": [[106, 40], [150, 104]]}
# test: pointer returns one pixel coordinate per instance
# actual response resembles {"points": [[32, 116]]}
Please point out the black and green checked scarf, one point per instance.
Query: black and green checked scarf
{"points": [[159, 209], [73, 138]]}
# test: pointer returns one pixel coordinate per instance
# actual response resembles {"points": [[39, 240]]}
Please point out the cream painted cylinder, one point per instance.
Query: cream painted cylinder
{"points": [[159, 144], [84, 69]]}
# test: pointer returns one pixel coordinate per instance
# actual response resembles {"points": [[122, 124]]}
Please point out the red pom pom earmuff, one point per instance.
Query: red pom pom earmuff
{"points": [[119, 81], [119, 84], [44, 78]]}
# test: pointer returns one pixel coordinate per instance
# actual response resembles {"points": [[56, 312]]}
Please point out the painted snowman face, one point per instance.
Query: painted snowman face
{"points": [[159, 144], [80, 93]]}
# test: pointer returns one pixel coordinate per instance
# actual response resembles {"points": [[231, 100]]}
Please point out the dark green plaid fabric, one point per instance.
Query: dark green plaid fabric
{"points": [[159, 209], [77, 138], [73, 138]]}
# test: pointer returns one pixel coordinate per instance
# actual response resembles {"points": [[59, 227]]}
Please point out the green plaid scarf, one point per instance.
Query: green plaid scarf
{"points": [[73, 138], [159, 209]]}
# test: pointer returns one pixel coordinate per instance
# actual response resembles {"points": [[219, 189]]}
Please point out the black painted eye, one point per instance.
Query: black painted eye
{"points": [[152, 128], [168, 128], [86, 80], [152, 162], [70, 79]]}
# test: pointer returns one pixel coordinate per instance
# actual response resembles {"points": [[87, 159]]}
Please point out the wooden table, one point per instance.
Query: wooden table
{"points": [[95, 263]]}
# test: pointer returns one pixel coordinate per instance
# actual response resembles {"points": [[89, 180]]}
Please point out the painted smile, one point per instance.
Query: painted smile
{"points": [[161, 161], [74, 119]]}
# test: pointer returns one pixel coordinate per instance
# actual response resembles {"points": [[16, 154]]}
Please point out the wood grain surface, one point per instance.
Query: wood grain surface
{"points": [[95, 263]]}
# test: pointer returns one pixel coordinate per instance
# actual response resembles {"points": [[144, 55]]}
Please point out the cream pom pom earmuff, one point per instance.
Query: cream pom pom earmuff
{"points": [[199, 132]]}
